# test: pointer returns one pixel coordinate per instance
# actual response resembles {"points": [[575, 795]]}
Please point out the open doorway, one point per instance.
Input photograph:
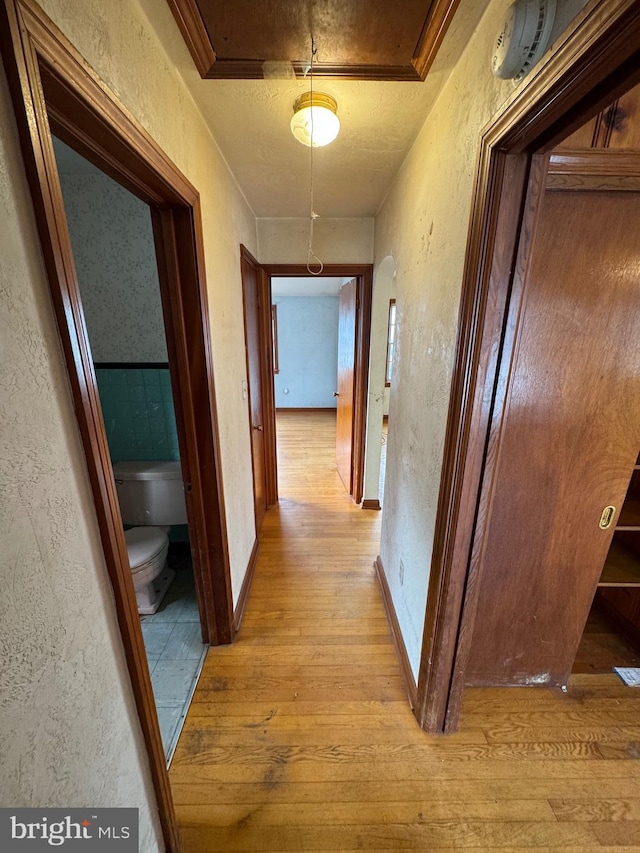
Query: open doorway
{"points": [[261, 403], [115, 259], [306, 323]]}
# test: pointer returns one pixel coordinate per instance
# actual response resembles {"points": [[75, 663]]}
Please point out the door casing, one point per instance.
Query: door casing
{"points": [[260, 399], [363, 273], [345, 384], [597, 59]]}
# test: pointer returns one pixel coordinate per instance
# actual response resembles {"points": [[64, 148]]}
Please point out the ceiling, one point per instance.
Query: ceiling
{"points": [[358, 39], [380, 121], [316, 285]]}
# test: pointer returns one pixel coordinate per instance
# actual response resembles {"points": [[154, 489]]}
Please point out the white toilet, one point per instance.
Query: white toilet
{"points": [[151, 497]]}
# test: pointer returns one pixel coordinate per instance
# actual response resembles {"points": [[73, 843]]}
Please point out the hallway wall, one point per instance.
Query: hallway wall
{"points": [[68, 729], [69, 734], [129, 55], [336, 241], [423, 225]]}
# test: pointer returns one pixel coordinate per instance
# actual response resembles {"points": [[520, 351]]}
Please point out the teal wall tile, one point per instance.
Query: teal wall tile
{"points": [[139, 417], [138, 412]]}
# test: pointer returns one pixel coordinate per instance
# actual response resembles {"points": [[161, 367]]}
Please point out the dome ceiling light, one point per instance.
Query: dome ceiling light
{"points": [[314, 121]]}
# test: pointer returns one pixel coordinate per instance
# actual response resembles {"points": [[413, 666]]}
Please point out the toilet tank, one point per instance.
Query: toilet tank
{"points": [[150, 493]]}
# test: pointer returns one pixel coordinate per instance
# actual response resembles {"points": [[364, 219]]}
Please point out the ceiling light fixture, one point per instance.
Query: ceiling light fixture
{"points": [[314, 121]]}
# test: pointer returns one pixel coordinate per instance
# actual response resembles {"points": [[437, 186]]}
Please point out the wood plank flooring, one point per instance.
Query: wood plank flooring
{"points": [[300, 736]]}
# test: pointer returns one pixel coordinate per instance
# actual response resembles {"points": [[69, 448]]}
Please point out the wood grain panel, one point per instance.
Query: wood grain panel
{"points": [[357, 40], [567, 447], [254, 350], [623, 119], [346, 382]]}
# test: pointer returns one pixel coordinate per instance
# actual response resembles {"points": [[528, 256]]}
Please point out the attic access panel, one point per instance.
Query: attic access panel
{"points": [[355, 39]]}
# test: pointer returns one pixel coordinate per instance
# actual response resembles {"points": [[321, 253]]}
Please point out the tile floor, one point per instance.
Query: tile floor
{"points": [[175, 652]]}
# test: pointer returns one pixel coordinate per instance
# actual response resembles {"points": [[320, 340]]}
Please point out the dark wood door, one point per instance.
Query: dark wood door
{"points": [[252, 308], [567, 441], [346, 382]]}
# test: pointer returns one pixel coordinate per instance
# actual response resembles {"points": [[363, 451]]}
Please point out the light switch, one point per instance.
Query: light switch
{"points": [[244, 389]]}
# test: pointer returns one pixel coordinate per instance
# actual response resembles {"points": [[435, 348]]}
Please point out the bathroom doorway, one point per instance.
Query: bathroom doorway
{"points": [[115, 260], [54, 90]]}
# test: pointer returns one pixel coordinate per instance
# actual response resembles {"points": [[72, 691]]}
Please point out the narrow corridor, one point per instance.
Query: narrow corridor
{"points": [[300, 736]]}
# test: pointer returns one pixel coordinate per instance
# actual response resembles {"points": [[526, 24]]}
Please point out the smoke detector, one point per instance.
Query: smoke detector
{"points": [[523, 39]]}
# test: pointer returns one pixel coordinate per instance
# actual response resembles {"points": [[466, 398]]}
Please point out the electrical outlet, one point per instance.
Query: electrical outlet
{"points": [[401, 573]]}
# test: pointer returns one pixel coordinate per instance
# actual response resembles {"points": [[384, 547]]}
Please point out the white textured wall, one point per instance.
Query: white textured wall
{"points": [[69, 729], [336, 241], [121, 45], [423, 225], [69, 733]]}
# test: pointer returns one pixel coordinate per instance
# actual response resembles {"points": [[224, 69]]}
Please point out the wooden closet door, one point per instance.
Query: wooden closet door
{"points": [[253, 343], [567, 440], [346, 382]]}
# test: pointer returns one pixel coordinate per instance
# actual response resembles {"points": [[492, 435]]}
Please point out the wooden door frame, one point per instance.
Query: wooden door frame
{"points": [[265, 350], [363, 273], [53, 87], [597, 59]]}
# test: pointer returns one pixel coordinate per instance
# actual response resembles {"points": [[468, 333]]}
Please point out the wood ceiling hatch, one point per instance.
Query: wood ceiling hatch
{"points": [[355, 39]]}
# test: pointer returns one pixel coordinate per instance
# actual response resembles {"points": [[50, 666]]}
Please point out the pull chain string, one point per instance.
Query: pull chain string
{"points": [[311, 255]]}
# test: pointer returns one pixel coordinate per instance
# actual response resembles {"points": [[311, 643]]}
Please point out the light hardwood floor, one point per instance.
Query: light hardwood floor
{"points": [[300, 737]]}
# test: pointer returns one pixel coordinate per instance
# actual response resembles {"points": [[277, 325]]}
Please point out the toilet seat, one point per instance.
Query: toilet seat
{"points": [[146, 546]]}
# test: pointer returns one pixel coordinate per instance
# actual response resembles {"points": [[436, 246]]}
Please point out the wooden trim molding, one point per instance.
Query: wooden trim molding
{"points": [[371, 503], [128, 365], [247, 69], [396, 633], [596, 60], [361, 385], [52, 87], [269, 391], [331, 270], [195, 34], [435, 29], [595, 161], [591, 183], [266, 354], [200, 45], [180, 253], [594, 169], [246, 586]]}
